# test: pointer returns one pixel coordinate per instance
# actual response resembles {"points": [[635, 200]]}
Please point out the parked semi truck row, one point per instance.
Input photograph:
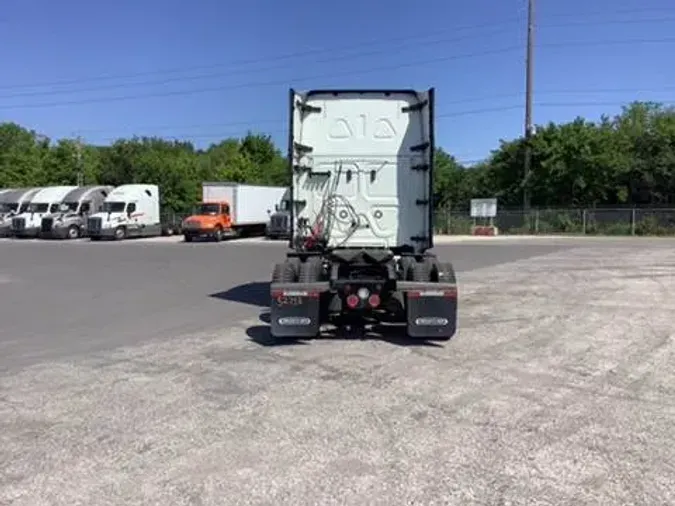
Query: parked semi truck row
{"points": [[69, 212], [361, 218], [231, 210]]}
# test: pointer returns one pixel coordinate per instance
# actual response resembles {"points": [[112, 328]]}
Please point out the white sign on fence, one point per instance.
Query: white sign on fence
{"points": [[483, 208]]}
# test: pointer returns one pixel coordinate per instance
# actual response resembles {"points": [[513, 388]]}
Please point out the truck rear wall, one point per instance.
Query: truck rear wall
{"points": [[362, 165]]}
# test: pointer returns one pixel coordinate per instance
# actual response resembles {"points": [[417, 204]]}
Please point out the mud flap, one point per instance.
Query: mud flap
{"points": [[431, 309], [295, 309]]}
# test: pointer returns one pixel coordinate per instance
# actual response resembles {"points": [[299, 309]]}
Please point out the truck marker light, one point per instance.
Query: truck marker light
{"points": [[352, 301]]}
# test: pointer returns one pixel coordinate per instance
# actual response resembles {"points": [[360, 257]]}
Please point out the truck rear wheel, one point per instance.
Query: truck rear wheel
{"points": [[421, 271], [310, 270], [284, 273]]}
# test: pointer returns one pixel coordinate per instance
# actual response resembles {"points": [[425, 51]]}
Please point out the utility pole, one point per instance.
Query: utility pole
{"points": [[529, 82], [78, 154]]}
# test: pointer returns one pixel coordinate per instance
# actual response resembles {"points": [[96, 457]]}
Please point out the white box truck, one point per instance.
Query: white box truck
{"points": [[232, 210], [13, 203], [130, 210], [362, 166], [45, 202]]}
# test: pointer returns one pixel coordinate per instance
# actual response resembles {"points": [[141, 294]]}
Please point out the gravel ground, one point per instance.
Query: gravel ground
{"points": [[558, 389]]}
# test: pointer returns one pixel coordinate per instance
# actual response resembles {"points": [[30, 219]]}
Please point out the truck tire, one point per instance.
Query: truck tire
{"points": [[120, 233], [187, 238], [218, 234], [73, 232], [421, 271], [310, 270], [446, 273], [284, 273]]}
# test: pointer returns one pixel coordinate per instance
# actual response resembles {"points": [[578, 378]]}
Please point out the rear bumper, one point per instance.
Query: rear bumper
{"points": [[431, 309]]}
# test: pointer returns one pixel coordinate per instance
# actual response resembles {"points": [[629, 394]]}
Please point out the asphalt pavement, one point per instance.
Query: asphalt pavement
{"points": [[131, 373]]}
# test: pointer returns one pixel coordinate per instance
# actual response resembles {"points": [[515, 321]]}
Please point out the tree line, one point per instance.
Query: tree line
{"points": [[628, 159]]}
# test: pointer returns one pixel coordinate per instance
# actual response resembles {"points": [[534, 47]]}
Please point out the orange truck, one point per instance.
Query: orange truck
{"points": [[231, 210]]}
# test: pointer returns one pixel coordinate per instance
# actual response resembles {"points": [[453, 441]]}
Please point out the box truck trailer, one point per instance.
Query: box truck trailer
{"points": [[231, 210], [130, 210], [70, 221], [44, 203], [362, 166]]}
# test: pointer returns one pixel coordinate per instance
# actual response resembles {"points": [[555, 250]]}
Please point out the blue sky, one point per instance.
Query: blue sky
{"points": [[203, 70]]}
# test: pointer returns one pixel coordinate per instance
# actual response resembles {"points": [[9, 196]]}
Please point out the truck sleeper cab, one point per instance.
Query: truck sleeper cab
{"points": [[70, 222], [361, 165], [44, 203], [13, 203], [128, 211]]}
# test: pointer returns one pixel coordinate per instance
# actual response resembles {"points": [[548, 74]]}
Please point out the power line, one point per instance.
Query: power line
{"points": [[235, 73], [508, 21], [341, 74]]}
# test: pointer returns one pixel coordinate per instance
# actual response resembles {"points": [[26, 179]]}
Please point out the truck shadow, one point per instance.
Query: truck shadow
{"points": [[258, 294], [253, 294]]}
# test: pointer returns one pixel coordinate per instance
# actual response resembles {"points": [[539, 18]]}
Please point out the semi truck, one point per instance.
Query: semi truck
{"points": [[44, 203], [231, 210], [70, 221], [279, 226], [130, 210], [362, 165], [12, 203]]}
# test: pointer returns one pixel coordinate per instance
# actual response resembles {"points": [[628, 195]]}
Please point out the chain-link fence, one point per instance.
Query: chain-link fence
{"points": [[626, 221]]}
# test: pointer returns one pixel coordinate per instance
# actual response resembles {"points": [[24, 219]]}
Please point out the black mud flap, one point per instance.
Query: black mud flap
{"points": [[431, 309], [295, 309]]}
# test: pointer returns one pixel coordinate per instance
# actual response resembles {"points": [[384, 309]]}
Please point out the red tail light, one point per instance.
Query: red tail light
{"points": [[374, 300], [352, 301]]}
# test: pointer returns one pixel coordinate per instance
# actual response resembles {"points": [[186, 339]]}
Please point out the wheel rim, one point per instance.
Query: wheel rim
{"points": [[72, 233]]}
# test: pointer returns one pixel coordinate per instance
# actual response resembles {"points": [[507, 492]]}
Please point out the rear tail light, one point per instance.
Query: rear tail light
{"points": [[352, 301], [374, 300]]}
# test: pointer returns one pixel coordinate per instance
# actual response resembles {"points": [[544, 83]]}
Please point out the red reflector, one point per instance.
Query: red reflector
{"points": [[374, 300], [352, 301]]}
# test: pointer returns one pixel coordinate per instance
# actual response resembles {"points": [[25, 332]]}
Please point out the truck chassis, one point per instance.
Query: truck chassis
{"points": [[357, 287]]}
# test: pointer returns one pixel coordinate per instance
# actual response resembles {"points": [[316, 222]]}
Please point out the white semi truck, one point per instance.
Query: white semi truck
{"points": [[44, 203], [70, 221], [361, 217], [130, 210], [12, 203]]}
